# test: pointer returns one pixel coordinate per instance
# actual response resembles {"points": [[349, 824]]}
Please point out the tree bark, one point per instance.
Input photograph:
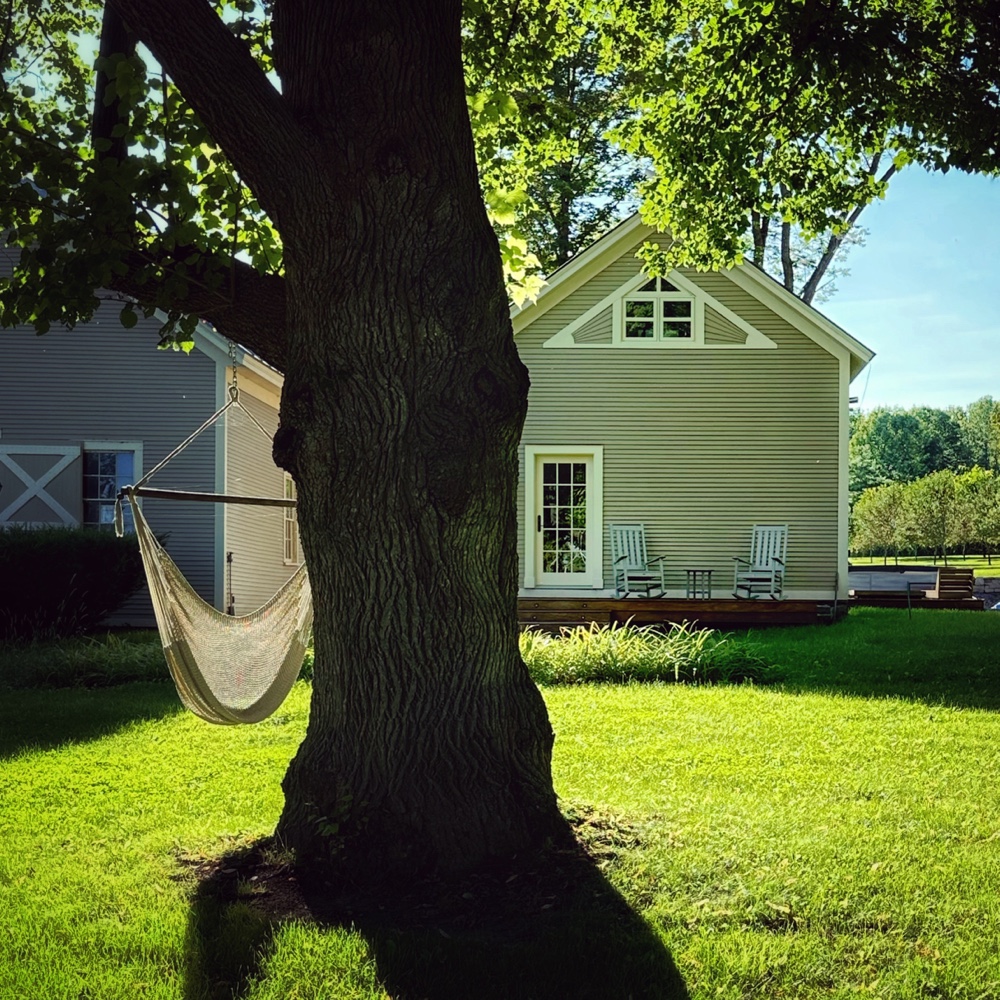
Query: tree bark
{"points": [[428, 747]]}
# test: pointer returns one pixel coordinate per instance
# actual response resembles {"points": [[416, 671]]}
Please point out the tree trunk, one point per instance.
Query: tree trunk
{"points": [[428, 746]]}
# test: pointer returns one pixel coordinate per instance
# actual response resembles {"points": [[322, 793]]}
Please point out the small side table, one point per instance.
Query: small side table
{"points": [[699, 584]]}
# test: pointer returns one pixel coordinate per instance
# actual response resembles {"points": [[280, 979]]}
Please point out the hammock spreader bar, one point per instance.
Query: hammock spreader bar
{"points": [[149, 491]]}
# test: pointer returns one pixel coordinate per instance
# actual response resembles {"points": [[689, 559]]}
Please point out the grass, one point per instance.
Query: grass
{"points": [[978, 564], [90, 661], [835, 836]]}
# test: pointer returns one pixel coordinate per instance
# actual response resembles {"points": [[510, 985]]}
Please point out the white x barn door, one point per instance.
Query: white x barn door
{"points": [[13, 457]]}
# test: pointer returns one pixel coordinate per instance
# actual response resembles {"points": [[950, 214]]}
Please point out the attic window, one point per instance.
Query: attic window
{"points": [[658, 311]]}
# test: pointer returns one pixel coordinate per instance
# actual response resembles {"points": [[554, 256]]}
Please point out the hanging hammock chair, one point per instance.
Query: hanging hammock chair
{"points": [[228, 669]]}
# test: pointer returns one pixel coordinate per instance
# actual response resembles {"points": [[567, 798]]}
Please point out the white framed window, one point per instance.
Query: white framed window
{"points": [[659, 311], [290, 522], [107, 467]]}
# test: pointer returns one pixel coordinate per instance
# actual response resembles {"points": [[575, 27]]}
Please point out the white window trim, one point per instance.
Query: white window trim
{"points": [[133, 446], [595, 565], [290, 514], [686, 292], [687, 288]]}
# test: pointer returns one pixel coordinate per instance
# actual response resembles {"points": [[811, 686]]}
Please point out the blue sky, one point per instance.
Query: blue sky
{"points": [[924, 292]]}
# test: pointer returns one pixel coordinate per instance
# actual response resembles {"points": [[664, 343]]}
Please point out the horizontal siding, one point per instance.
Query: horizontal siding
{"points": [[719, 330], [599, 330], [699, 445], [254, 535], [100, 382]]}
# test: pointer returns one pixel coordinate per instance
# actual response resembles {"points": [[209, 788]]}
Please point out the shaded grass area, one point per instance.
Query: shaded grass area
{"points": [[99, 660], [800, 841], [935, 656]]}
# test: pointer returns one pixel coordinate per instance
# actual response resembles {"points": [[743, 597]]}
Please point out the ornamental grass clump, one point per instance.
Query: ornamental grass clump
{"points": [[622, 653]]}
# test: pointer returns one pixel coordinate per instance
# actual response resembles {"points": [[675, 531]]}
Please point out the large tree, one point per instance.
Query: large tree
{"points": [[428, 746], [302, 175]]}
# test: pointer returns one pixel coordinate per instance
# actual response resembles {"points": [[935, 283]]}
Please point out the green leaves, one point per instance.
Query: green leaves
{"points": [[128, 317]]}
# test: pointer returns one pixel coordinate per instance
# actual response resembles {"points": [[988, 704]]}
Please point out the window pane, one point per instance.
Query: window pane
{"points": [[677, 328], [639, 309], [548, 495], [124, 468], [90, 463], [665, 286], [639, 329], [565, 475], [650, 286], [565, 494], [548, 472], [580, 473], [673, 308], [107, 488], [107, 513], [106, 463]]}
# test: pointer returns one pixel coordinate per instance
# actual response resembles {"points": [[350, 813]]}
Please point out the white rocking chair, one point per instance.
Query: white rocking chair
{"points": [[634, 573], [763, 574]]}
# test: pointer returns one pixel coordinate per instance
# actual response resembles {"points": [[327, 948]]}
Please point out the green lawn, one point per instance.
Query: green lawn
{"points": [[978, 564], [836, 836]]}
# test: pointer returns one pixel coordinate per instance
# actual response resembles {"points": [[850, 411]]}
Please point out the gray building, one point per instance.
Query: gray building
{"points": [[86, 411]]}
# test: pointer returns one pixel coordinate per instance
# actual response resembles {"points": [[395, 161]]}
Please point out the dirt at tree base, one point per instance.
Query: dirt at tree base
{"points": [[504, 898]]}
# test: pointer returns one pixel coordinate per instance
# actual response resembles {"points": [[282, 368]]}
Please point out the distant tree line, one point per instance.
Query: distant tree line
{"points": [[941, 513], [926, 480], [893, 445]]}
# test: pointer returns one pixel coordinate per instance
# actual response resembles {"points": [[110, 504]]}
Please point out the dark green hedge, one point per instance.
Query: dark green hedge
{"points": [[57, 582]]}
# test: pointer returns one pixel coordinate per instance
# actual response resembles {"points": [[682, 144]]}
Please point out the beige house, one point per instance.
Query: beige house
{"points": [[698, 405]]}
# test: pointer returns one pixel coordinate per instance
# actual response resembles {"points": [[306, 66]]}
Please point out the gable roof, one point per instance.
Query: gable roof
{"points": [[630, 234]]}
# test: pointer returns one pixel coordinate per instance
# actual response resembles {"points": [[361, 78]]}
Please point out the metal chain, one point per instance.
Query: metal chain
{"points": [[234, 389]]}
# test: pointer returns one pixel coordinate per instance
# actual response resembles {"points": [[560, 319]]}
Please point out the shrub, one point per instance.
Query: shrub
{"points": [[617, 653], [57, 582]]}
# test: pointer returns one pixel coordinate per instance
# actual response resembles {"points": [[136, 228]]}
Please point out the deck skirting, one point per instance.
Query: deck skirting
{"points": [[552, 613]]}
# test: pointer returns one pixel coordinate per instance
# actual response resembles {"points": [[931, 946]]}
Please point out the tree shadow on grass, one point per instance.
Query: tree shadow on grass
{"points": [[539, 927], [41, 719]]}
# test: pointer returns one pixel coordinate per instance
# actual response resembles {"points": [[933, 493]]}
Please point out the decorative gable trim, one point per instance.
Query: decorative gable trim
{"points": [[583, 331]]}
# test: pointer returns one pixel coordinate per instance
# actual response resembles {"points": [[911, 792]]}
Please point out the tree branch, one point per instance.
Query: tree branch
{"points": [[115, 40], [240, 302], [787, 268], [833, 245], [228, 90]]}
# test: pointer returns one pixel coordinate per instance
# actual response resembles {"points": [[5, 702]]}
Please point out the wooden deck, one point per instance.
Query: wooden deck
{"points": [[552, 613], [918, 599]]}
